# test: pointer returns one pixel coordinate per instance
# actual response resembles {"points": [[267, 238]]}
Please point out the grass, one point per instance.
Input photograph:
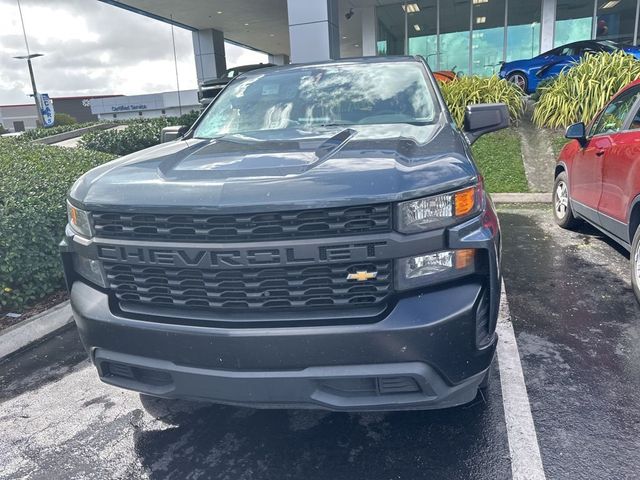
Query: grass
{"points": [[499, 158], [557, 141]]}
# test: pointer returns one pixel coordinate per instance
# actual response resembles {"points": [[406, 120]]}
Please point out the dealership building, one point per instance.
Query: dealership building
{"points": [[152, 105], [468, 36], [17, 118]]}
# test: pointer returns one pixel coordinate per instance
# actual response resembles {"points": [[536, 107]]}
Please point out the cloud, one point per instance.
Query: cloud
{"points": [[94, 48]]}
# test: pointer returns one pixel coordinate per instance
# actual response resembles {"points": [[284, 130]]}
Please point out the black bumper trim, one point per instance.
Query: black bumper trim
{"points": [[313, 387]]}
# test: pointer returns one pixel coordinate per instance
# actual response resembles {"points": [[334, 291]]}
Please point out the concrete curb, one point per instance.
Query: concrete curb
{"points": [[32, 329], [521, 197]]}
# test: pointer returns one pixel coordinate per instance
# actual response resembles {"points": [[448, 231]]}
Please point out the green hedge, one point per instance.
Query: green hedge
{"points": [[139, 134], [34, 182], [40, 132]]}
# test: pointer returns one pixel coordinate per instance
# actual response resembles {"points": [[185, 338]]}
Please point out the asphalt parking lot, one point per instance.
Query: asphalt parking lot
{"points": [[577, 329]]}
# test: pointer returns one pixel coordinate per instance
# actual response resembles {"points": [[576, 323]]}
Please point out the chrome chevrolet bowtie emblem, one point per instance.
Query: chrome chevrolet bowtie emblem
{"points": [[362, 276]]}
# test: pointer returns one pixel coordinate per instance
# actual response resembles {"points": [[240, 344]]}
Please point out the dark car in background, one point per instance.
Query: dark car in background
{"points": [[210, 89], [528, 74], [320, 238], [597, 177]]}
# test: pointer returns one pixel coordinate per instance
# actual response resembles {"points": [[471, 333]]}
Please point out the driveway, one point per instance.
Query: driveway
{"points": [[577, 332]]}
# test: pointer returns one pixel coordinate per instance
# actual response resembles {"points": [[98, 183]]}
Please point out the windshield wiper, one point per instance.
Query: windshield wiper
{"points": [[336, 124]]}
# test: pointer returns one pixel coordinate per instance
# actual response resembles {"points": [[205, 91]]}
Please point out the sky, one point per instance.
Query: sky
{"points": [[91, 48]]}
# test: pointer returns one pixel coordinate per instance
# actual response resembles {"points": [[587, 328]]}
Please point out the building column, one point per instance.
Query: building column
{"points": [[548, 25], [313, 30], [280, 59], [208, 49], [369, 48]]}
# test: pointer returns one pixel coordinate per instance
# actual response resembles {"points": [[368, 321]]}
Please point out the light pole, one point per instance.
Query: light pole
{"points": [[33, 81]]}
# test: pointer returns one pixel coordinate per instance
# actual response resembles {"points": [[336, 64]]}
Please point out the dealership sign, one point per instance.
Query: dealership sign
{"points": [[46, 108], [128, 108]]}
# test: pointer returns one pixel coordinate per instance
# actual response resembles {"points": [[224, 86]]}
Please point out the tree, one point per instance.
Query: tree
{"points": [[64, 119]]}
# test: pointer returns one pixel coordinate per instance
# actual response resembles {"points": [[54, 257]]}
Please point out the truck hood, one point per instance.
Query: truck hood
{"points": [[283, 169]]}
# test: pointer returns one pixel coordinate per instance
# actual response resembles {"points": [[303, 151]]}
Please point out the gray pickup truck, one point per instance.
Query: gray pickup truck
{"points": [[319, 238]]}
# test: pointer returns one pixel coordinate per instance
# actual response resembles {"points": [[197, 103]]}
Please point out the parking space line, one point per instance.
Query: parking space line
{"points": [[526, 462]]}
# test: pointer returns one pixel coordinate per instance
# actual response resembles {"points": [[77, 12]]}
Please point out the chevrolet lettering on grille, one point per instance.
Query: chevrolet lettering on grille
{"points": [[234, 258]]}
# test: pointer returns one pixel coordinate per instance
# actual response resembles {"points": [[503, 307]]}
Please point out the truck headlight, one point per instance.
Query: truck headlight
{"points": [[89, 269], [437, 211], [435, 267], [79, 220]]}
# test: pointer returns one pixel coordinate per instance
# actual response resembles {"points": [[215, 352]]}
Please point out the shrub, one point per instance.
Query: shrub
{"points": [[465, 91], [64, 119], [138, 135], [34, 183], [535, 96], [41, 132], [579, 93]]}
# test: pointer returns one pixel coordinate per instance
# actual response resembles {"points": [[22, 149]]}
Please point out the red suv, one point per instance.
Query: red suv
{"points": [[597, 176]]}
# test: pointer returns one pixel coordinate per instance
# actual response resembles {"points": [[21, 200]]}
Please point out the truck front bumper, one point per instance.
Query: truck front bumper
{"points": [[422, 355]]}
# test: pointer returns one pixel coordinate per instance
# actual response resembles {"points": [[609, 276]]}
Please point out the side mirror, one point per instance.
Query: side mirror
{"points": [[169, 134], [578, 132], [484, 118]]}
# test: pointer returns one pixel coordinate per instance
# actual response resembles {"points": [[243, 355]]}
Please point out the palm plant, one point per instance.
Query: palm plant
{"points": [[465, 91], [579, 93]]}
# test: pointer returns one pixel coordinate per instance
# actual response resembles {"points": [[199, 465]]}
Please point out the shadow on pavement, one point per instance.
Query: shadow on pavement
{"points": [[235, 443]]}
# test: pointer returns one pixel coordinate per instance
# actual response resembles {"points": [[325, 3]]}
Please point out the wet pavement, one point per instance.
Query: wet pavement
{"points": [[577, 328]]}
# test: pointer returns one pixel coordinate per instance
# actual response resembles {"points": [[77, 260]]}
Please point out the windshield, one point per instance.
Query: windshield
{"points": [[608, 45], [307, 97]]}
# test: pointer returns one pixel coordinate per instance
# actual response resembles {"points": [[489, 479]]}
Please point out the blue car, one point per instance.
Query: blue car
{"points": [[528, 74]]}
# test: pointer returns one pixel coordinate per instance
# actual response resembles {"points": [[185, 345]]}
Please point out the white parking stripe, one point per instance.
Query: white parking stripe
{"points": [[526, 462]]}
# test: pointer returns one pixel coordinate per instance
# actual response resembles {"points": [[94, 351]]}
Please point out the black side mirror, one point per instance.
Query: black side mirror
{"points": [[484, 118], [169, 134], [578, 132]]}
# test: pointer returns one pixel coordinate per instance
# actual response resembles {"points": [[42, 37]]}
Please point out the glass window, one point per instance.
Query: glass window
{"points": [[635, 122], [320, 96], [488, 37], [390, 31], [612, 118], [523, 29], [574, 21], [455, 36], [423, 29], [616, 20]]}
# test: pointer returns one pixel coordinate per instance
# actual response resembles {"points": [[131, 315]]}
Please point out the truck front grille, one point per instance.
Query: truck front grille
{"points": [[329, 222], [250, 289]]}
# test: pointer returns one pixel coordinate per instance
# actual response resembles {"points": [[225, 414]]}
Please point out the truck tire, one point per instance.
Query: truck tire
{"points": [[167, 410]]}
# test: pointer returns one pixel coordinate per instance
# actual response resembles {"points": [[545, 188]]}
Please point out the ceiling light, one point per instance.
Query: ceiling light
{"points": [[219, 12], [417, 27], [478, 2], [480, 20], [610, 4], [246, 24], [356, 45], [411, 7]]}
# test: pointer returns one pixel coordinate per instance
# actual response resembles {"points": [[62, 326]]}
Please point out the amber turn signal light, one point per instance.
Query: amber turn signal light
{"points": [[464, 258], [465, 201]]}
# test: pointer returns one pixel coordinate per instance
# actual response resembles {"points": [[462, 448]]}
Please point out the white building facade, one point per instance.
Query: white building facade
{"points": [[18, 118]]}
